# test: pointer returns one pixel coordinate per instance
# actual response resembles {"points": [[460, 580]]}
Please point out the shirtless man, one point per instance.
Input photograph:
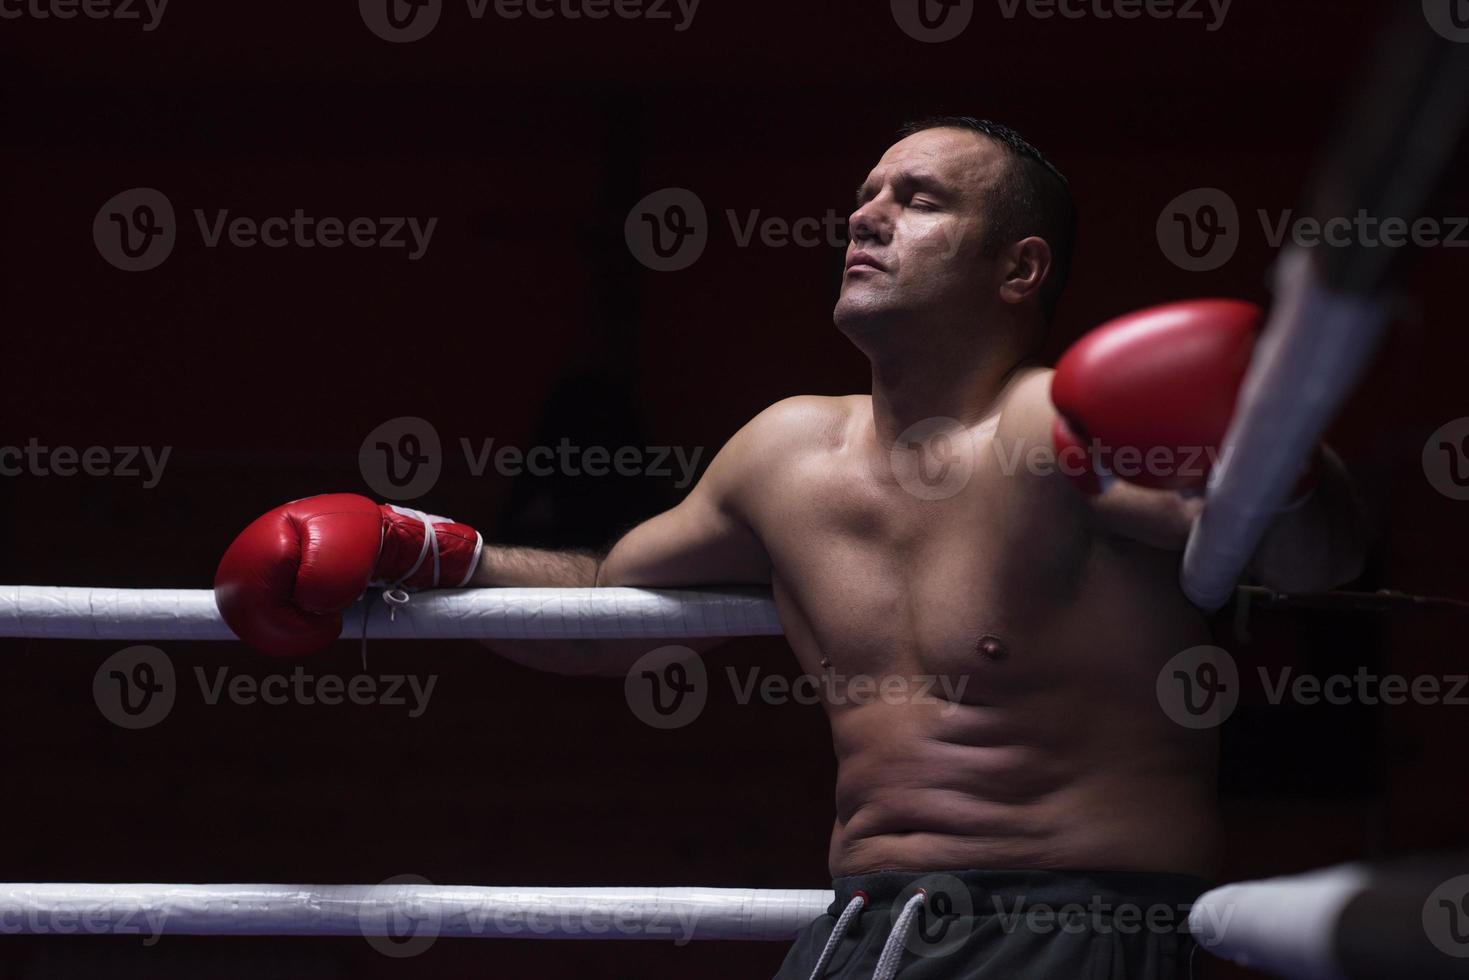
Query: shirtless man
{"points": [[1052, 777]]}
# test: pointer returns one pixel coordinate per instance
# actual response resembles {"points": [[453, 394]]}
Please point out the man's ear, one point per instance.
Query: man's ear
{"points": [[1026, 265]]}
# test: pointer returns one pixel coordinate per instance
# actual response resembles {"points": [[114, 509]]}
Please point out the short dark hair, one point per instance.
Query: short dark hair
{"points": [[1033, 198]]}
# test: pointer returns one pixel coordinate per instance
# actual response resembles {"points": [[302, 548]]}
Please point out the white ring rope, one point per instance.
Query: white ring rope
{"points": [[1286, 926], [424, 910], [48, 612], [1282, 925]]}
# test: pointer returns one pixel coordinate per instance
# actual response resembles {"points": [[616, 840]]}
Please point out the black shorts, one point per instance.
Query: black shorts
{"points": [[1061, 925]]}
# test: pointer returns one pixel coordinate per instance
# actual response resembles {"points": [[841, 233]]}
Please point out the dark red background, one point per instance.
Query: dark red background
{"points": [[529, 320]]}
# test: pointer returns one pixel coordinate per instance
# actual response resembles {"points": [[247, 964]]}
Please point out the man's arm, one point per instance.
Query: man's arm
{"points": [[1320, 544], [704, 541], [1315, 546]]}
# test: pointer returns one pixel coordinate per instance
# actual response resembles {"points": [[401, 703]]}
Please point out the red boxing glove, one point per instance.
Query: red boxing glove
{"points": [[283, 584], [1148, 397]]}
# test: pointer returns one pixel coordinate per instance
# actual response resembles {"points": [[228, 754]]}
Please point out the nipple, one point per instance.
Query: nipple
{"points": [[992, 648]]}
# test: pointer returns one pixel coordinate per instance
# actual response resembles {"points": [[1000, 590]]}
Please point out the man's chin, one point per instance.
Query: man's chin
{"points": [[858, 311]]}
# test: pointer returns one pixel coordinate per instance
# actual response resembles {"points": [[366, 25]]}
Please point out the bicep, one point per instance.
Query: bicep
{"points": [[698, 542], [703, 541]]}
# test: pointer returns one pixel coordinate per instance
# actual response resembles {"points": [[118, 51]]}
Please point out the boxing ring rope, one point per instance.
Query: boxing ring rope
{"points": [[660, 914], [48, 612], [1332, 302], [1315, 346]]}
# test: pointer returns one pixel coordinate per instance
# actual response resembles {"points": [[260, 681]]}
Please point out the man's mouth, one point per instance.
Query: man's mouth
{"points": [[864, 262]]}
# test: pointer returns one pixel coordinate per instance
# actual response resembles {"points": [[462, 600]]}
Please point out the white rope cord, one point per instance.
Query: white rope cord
{"points": [[421, 910], [1286, 926], [48, 612]]}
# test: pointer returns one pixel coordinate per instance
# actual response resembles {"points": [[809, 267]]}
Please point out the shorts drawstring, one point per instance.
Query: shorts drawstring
{"points": [[892, 950]]}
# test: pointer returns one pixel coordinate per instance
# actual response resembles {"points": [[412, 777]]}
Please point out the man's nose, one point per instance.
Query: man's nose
{"points": [[870, 223]]}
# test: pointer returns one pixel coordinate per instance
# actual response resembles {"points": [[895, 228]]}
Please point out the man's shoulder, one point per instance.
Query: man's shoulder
{"points": [[807, 422], [1025, 404]]}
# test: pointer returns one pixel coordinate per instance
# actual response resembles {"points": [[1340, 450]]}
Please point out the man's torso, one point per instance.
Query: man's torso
{"points": [[989, 657]]}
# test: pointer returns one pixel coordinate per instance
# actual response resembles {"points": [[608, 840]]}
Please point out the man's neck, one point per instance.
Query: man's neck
{"points": [[963, 384]]}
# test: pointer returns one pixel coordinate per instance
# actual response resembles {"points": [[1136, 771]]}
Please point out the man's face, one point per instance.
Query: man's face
{"points": [[917, 233]]}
